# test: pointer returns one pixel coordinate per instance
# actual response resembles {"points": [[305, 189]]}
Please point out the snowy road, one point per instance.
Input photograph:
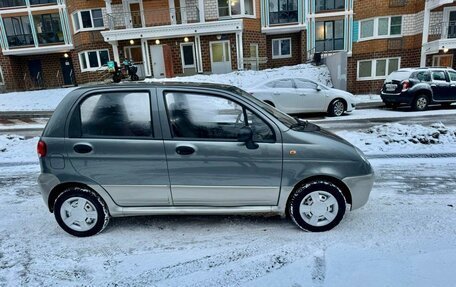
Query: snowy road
{"points": [[404, 236]]}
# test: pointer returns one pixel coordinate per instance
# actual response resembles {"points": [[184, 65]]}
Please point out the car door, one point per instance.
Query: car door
{"points": [[285, 96], [310, 97], [452, 93], [115, 141], [440, 85], [207, 165]]}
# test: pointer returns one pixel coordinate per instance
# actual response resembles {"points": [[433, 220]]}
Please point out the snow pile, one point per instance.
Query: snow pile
{"points": [[15, 149], [44, 100], [399, 138], [247, 79]]}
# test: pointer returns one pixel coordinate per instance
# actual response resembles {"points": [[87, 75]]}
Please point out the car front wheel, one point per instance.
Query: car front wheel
{"points": [[336, 108], [81, 212], [317, 206], [420, 103]]}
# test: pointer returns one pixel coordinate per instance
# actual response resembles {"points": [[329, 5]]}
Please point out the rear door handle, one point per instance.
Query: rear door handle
{"points": [[82, 148], [184, 150], [433, 85]]}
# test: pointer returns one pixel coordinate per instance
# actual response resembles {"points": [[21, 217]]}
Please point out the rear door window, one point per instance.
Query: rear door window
{"points": [[438, 76], [452, 76], [116, 114]]}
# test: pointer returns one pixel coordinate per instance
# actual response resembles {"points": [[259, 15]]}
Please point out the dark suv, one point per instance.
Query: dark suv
{"points": [[420, 87]]}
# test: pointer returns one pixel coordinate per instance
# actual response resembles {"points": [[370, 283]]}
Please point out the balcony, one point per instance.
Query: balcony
{"points": [[441, 36], [446, 30], [153, 18]]}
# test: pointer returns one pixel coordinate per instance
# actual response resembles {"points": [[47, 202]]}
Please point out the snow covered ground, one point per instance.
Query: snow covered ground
{"points": [[247, 79], [404, 236], [42, 100]]}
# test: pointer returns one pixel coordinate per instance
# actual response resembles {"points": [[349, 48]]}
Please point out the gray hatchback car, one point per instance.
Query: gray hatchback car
{"points": [[187, 148]]}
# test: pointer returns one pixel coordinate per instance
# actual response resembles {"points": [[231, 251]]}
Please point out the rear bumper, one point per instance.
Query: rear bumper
{"points": [[397, 98], [47, 182], [360, 188]]}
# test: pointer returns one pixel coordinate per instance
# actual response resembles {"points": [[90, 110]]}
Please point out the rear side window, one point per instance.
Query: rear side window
{"points": [[283, 84], [422, 76], [117, 114]]}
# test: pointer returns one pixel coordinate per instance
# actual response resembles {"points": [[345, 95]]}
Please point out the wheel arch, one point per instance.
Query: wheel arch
{"points": [[337, 182], [58, 189]]}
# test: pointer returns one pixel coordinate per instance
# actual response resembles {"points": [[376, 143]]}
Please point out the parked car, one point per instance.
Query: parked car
{"points": [[420, 87], [180, 148], [299, 95]]}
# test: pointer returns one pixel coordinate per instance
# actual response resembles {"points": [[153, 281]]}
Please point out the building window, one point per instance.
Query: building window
{"points": [[11, 3], [442, 60], [48, 28], [41, 2], [283, 11], [377, 69], [229, 8], [281, 48], [2, 79], [324, 5], [188, 55], [18, 31], [329, 36], [88, 20], [380, 27], [93, 60], [134, 53]]}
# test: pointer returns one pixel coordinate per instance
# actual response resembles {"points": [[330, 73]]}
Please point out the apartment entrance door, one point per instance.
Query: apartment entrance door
{"points": [[36, 72], [158, 61], [67, 72], [220, 57]]}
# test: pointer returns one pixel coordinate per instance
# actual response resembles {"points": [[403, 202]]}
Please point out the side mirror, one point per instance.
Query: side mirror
{"points": [[318, 88], [246, 135]]}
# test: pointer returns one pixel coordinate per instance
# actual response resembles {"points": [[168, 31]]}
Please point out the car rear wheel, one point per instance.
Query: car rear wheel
{"points": [[317, 206], [81, 212], [420, 103], [336, 108]]}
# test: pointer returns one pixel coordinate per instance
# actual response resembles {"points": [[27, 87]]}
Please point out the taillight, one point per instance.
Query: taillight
{"points": [[405, 85], [41, 149]]}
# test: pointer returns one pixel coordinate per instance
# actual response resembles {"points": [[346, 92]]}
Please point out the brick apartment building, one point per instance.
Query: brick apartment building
{"points": [[53, 43]]}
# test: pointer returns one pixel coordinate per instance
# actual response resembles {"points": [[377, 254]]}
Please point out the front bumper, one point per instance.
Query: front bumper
{"points": [[397, 98], [360, 188], [351, 107]]}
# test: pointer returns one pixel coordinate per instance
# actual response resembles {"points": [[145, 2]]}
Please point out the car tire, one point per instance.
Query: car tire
{"points": [[420, 103], [336, 108], [317, 206], [81, 212]]}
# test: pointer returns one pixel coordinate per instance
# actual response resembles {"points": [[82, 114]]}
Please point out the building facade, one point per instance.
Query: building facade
{"points": [[54, 43]]}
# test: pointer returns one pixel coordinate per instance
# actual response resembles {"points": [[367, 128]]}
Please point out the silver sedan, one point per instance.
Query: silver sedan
{"points": [[299, 95]]}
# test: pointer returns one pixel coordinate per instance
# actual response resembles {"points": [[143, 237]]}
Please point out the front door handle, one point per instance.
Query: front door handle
{"points": [[184, 150], [433, 85], [82, 148], [302, 95]]}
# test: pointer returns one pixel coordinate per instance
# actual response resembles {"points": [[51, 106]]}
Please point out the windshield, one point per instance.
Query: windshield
{"points": [[398, 76], [280, 116]]}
